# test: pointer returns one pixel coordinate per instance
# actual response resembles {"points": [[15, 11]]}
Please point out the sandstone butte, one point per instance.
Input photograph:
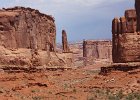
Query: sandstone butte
{"points": [[126, 36], [28, 37], [97, 50]]}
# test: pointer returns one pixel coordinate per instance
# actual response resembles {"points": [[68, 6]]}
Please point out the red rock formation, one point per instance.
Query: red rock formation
{"points": [[137, 6], [93, 50], [28, 38], [125, 39], [115, 33], [65, 42], [131, 22], [26, 28], [84, 49], [123, 26]]}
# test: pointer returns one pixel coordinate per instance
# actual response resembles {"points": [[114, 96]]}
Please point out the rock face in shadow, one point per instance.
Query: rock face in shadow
{"points": [[125, 38], [65, 46], [137, 6]]}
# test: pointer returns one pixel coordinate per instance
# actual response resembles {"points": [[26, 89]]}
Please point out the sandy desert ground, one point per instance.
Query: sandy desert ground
{"points": [[73, 84]]}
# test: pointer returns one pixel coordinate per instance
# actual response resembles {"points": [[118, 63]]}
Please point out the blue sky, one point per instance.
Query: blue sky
{"points": [[82, 19]]}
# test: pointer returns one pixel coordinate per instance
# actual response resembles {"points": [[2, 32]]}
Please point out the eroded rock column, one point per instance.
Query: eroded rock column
{"points": [[115, 35], [137, 6], [130, 17], [65, 42], [125, 38], [123, 25]]}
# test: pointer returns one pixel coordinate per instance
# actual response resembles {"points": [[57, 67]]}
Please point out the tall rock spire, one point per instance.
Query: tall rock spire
{"points": [[65, 42], [137, 6]]}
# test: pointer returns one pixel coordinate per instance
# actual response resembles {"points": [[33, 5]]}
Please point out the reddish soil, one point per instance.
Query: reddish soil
{"points": [[75, 84]]}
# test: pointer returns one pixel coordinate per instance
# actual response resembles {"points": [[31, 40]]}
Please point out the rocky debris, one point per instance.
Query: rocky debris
{"points": [[61, 60], [125, 39], [35, 60], [65, 45], [93, 50], [80, 84], [125, 67], [37, 84], [14, 69]]}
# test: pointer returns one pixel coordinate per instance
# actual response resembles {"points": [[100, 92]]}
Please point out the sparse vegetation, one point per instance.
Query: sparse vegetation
{"points": [[117, 96], [75, 87], [133, 96], [120, 96], [107, 94], [38, 98], [34, 91], [91, 98], [74, 90]]}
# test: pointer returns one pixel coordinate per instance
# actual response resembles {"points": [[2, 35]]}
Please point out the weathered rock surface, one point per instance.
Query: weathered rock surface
{"points": [[93, 50], [26, 28], [28, 38], [65, 42], [137, 6], [126, 39]]}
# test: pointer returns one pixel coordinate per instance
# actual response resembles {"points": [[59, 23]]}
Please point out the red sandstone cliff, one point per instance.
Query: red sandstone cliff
{"points": [[28, 38], [137, 6], [126, 37], [24, 27], [97, 50]]}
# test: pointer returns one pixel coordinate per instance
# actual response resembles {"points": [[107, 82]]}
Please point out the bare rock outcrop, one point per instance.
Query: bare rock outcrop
{"points": [[27, 28], [65, 45], [137, 6], [28, 38], [97, 50], [21, 27], [125, 38]]}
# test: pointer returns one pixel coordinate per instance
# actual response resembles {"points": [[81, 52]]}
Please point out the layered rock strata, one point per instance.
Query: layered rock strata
{"points": [[126, 38], [97, 50], [137, 6], [26, 28], [28, 38]]}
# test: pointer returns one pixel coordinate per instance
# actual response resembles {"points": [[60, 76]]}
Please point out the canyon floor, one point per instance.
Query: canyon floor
{"points": [[83, 83]]}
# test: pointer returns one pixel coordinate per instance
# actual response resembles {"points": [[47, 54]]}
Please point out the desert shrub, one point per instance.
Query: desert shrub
{"points": [[38, 98], [35, 90], [74, 90], [133, 96], [117, 96], [91, 98]]}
